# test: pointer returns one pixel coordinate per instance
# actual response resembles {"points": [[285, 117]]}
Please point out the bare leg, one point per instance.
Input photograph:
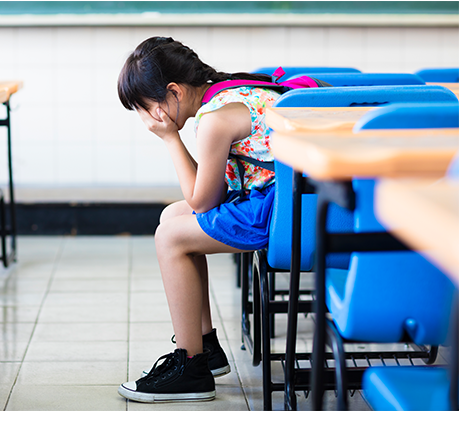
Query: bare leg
{"points": [[181, 247]]}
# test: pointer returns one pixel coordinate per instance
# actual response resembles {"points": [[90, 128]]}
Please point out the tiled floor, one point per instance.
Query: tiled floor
{"points": [[80, 315]]}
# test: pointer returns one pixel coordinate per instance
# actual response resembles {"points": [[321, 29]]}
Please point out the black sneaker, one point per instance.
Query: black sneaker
{"points": [[218, 363], [178, 378]]}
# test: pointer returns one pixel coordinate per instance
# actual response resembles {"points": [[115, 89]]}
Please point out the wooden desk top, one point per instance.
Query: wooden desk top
{"points": [[424, 214], [294, 119], [11, 87], [371, 153], [3, 95]]}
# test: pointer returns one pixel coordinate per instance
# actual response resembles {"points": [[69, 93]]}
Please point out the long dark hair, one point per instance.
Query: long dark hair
{"points": [[157, 62]]}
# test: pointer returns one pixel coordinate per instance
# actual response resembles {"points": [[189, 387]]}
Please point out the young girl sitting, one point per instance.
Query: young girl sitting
{"points": [[224, 211]]}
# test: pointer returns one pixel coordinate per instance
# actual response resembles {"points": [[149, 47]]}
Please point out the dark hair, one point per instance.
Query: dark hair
{"points": [[157, 62]]}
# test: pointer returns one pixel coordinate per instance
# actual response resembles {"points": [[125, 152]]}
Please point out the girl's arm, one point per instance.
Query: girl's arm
{"points": [[204, 185]]}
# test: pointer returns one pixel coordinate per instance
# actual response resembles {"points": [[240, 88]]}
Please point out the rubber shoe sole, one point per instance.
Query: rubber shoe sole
{"points": [[219, 372], [127, 390]]}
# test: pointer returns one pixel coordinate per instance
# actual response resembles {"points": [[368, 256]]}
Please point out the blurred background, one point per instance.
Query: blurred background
{"points": [[76, 148]]}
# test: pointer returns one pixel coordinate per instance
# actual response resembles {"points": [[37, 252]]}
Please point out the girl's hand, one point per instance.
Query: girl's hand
{"points": [[160, 123]]}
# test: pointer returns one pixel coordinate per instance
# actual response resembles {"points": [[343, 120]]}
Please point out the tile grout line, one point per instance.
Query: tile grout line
{"points": [[56, 262], [130, 269], [214, 297]]}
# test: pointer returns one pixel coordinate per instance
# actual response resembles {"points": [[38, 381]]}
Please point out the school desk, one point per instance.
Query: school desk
{"points": [[332, 160], [336, 154], [11, 86], [7, 89], [425, 214], [314, 119], [3, 95]]}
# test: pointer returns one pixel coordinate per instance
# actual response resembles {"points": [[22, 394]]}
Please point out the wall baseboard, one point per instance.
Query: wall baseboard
{"points": [[87, 219]]}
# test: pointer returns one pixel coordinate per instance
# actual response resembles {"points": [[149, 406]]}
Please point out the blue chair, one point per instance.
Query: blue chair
{"points": [[439, 75], [408, 388], [279, 252], [417, 388], [386, 296], [367, 79], [290, 71]]}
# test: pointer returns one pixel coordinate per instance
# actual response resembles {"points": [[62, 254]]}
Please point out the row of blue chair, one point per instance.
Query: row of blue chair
{"points": [[363, 267], [422, 388], [387, 296], [278, 255], [367, 79], [422, 76]]}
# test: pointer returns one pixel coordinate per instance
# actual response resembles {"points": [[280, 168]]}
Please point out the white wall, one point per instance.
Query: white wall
{"points": [[69, 128]]}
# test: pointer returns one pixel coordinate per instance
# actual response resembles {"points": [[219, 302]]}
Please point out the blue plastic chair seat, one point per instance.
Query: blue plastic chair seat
{"points": [[407, 388], [387, 294]]}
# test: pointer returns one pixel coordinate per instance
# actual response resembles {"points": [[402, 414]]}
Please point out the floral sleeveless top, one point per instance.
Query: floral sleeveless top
{"points": [[256, 145]]}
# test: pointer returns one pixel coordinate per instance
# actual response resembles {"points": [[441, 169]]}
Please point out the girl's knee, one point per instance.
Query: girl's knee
{"points": [[177, 236], [167, 235], [175, 209], [161, 233]]}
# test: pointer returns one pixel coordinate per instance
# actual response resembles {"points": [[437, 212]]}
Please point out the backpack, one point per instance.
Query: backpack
{"points": [[282, 87]]}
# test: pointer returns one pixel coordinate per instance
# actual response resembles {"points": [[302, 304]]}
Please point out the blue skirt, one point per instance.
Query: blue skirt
{"points": [[241, 222]]}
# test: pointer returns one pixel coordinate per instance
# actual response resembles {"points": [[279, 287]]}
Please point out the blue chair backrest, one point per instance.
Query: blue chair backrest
{"points": [[290, 71], [439, 75], [406, 293], [280, 238], [367, 79], [412, 116]]}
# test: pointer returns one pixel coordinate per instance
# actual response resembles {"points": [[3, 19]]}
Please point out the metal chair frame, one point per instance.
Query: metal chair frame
{"points": [[11, 230], [342, 378]]}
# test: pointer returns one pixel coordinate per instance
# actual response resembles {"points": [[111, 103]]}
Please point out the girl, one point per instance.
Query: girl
{"points": [[227, 206]]}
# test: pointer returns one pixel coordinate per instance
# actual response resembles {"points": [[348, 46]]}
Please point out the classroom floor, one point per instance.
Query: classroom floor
{"points": [[80, 315]]}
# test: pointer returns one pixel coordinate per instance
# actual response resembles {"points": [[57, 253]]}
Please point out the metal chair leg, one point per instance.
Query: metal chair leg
{"points": [[292, 324], [334, 341], [246, 308], [263, 279], [256, 301], [317, 386], [3, 230]]}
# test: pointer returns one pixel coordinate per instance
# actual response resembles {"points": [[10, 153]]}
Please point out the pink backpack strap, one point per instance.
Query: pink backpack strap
{"points": [[278, 73], [236, 83], [300, 82]]}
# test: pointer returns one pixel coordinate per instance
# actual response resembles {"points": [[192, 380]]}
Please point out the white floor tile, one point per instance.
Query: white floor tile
{"points": [[65, 398], [80, 315]]}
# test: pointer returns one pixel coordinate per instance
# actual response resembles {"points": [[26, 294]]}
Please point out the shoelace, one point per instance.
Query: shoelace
{"points": [[158, 371]]}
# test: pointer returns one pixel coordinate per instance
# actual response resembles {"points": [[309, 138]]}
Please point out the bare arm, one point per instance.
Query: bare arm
{"points": [[204, 186]]}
